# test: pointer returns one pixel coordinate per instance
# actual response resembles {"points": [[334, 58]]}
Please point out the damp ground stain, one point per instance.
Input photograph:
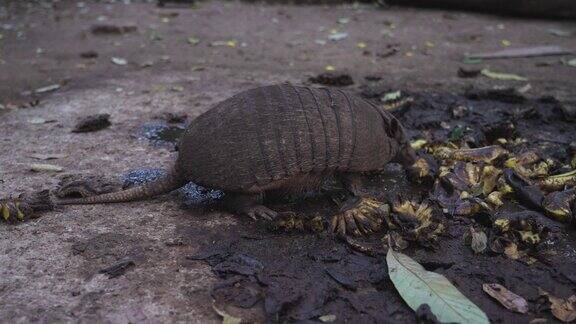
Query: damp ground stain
{"points": [[270, 275]]}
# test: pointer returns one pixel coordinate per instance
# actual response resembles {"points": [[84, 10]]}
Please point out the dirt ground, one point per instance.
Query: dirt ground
{"points": [[183, 60]]}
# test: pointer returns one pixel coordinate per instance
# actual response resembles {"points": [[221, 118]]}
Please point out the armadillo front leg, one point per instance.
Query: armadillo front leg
{"points": [[250, 205], [358, 215]]}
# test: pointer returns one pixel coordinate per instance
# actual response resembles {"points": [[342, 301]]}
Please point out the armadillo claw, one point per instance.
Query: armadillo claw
{"points": [[363, 217], [259, 211]]}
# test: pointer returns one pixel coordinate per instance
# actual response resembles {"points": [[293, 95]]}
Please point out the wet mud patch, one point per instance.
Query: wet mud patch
{"points": [[296, 277], [299, 273], [162, 134]]}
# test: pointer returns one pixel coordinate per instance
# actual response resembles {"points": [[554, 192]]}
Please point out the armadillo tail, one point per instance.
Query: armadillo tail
{"points": [[170, 182]]}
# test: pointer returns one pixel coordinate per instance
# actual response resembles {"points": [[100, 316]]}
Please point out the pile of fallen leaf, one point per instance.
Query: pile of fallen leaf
{"points": [[481, 183]]}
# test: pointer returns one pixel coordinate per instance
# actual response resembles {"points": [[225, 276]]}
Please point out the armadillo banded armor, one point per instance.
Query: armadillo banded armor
{"points": [[276, 132]]}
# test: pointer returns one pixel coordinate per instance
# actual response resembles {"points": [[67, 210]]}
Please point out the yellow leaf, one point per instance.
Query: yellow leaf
{"points": [[502, 76], [418, 144]]}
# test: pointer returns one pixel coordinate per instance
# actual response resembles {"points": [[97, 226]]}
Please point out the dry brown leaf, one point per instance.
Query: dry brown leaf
{"points": [[511, 251], [562, 309], [507, 298]]}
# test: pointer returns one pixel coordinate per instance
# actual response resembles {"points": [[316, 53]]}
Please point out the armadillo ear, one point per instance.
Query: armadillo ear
{"points": [[393, 128]]}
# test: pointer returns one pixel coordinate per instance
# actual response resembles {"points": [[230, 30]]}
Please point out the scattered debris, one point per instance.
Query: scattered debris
{"points": [[337, 36], [559, 181], [89, 54], [571, 62], [521, 52], [507, 95], [25, 207], [391, 96], [193, 41], [41, 156], [229, 43], [49, 88], [105, 29], [92, 123], [507, 298], [40, 167], [468, 73], [40, 120], [418, 286], [477, 239], [332, 79], [119, 61], [561, 32], [118, 269], [502, 76], [562, 309], [327, 318]]}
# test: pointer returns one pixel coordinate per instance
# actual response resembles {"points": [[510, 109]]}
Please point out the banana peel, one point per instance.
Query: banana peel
{"points": [[557, 204], [487, 154], [424, 170], [13, 211], [427, 228], [528, 194], [559, 181]]}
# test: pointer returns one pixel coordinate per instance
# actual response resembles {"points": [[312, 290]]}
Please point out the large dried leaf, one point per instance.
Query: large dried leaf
{"points": [[507, 298], [562, 309], [418, 286]]}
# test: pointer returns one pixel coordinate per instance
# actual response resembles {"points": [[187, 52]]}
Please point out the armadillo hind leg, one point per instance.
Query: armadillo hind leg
{"points": [[352, 183], [249, 205], [358, 215]]}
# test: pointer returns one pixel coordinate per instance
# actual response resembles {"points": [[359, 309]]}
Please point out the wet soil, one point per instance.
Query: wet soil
{"points": [[165, 260], [302, 275]]}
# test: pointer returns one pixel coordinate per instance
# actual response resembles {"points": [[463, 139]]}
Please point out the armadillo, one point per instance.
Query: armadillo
{"points": [[278, 138]]}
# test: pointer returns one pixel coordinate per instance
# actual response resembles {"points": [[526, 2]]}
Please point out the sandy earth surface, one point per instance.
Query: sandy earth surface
{"points": [[49, 266]]}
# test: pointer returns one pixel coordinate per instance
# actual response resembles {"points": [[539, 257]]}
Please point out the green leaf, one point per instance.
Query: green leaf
{"points": [[418, 286], [391, 96], [457, 133], [502, 76], [193, 41], [571, 62]]}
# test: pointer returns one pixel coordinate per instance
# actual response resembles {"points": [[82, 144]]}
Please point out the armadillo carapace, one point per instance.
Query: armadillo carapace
{"points": [[279, 138]]}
